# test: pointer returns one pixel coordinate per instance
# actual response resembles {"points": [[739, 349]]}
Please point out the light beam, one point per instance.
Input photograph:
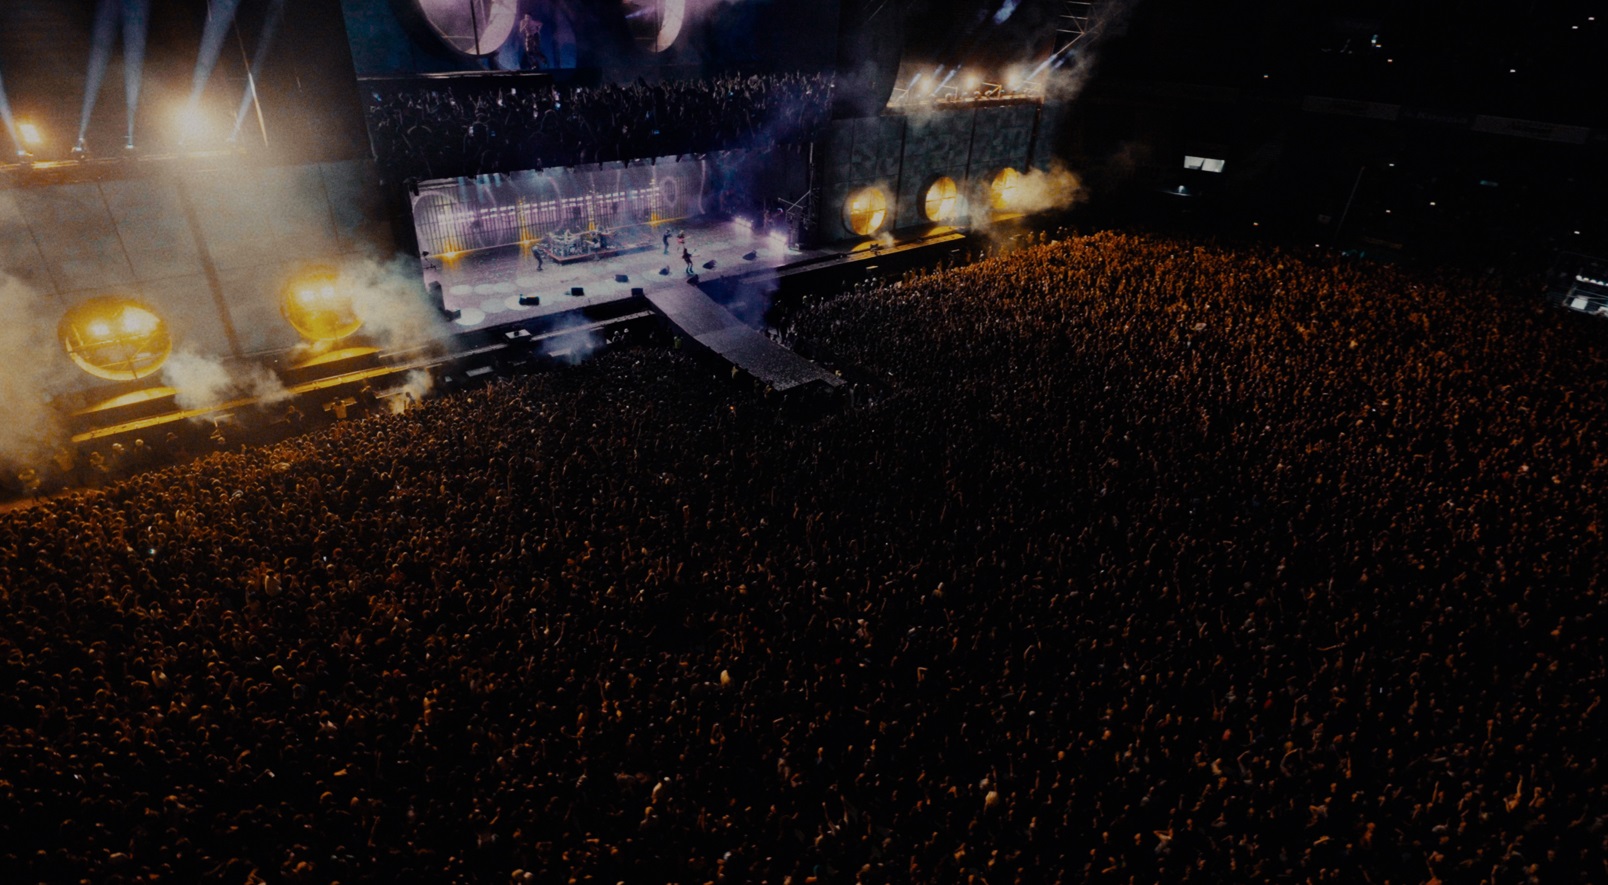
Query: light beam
{"points": [[136, 24], [107, 16], [220, 15], [5, 116], [270, 29]]}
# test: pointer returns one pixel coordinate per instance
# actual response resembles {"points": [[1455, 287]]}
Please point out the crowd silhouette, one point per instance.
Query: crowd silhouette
{"points": [[1133, 559], [449, 130]]}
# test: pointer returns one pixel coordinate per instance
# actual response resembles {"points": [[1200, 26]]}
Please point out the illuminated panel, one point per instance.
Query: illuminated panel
{"points": [[655, 24], [941, 200], [1003, 191], [866, 210], [318, 306], [118, 339], [472, 27], [455, 217]]}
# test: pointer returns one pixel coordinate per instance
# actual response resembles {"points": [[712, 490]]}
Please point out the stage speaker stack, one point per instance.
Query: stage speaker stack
{"points": [[577, 291], [637, 293], [530, 300], [710, 264], [621, 278], [750, 256]]}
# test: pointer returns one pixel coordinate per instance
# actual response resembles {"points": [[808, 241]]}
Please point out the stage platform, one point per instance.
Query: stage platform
{"points": [[495, 329], [485, 285]]}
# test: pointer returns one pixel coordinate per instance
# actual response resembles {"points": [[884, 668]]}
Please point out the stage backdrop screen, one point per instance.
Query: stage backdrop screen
{"points": [[619, 38], [457, 216]]}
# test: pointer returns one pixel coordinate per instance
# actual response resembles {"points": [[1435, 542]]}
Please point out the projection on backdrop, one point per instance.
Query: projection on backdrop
{"points": [[655, 24], [456, 216], [472, 27], [624, 37]]}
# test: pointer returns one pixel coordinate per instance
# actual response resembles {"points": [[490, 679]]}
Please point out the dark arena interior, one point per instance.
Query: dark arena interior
{"points": [[757, 441]]}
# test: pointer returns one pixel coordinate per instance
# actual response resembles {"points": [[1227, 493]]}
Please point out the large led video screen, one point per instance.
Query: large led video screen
{"points": [[620, 38]]}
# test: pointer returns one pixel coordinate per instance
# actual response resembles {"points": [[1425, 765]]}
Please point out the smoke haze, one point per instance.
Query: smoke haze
{"points": [[206, 382], [1046, 190], [388, 297], [29, 428]]}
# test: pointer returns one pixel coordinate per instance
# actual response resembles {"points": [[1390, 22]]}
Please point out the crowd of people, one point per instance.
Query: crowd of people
{"points": [[443, 131], [1144, 560]]}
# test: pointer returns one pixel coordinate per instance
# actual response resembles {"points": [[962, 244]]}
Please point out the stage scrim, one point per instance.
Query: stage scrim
{"points": [[455, 216]]}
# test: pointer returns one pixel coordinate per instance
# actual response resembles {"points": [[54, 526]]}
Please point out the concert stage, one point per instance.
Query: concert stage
{"points": [[496, 333], [490, 288], [486, 285]]}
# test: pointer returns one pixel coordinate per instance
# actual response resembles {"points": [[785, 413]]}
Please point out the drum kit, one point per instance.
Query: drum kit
{"points": [[563, 244]]}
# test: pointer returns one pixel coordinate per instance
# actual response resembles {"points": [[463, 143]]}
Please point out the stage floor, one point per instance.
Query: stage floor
{"points": [[486, 284]]}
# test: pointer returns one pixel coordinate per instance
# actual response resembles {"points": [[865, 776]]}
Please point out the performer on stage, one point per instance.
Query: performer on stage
{"points": [[687, 257], [530, 31], [536, 253], [667, 241]]}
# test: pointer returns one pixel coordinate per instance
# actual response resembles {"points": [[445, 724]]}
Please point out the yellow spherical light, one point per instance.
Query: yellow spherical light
{"points": [[866, 211], [942, 200], [118, 339], [1003, 189], [317, 304]]}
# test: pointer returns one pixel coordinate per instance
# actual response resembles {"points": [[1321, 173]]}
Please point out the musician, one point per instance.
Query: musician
{"points": [[530, 33]]}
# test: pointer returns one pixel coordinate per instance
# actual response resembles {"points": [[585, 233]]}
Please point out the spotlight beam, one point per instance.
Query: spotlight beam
{"points": [[220, 15], [5, 116], [107, 17], [265, 40], [136, 24]]}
